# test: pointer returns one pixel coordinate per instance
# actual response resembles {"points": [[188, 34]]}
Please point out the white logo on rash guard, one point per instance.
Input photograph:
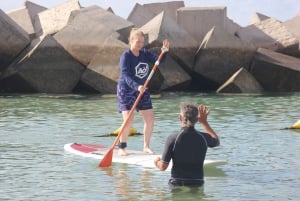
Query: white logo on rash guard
{"points": [[141, 70]]}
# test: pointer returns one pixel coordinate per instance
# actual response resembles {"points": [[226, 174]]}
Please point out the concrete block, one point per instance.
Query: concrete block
{"points": [[13, 39], [230, 26], [174, 78], [293, 26], [183, 45], [220, 55], [276, 72], [270, 34], [169, 8], [258, 18], [33, 9], [22, 18], [241, 82], [54, 19], [89, 29], [106, 18], [103, 72], [199, 20], [25, 15], [140, 15], [45, 67]]}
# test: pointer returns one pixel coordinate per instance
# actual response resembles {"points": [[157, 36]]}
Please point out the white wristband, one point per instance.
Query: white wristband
{"points": [[164, 49]]}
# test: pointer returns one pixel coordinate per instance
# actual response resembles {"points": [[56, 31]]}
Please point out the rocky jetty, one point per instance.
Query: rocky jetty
{"points": [[71, 49]]}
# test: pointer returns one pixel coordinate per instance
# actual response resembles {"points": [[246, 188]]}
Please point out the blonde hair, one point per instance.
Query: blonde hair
{"points": [[134, 33]]}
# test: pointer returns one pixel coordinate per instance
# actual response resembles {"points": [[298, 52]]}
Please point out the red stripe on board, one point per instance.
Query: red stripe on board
{"points": [[87, 148]]}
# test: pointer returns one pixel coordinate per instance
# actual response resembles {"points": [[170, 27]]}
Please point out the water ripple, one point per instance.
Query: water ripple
{"points": [[263, 157]]}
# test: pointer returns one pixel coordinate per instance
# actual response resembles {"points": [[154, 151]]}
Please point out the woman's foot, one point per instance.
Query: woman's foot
{"points": [[122, 152], [148, 150]]}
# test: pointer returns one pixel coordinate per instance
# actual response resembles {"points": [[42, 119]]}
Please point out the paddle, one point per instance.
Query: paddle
{"points": [[107, 159]]}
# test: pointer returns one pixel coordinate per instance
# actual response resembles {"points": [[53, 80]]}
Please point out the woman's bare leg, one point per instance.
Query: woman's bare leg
{"points": [[148, 116], [124, 136]]}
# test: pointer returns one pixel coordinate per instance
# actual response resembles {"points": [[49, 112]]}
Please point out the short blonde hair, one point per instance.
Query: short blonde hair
{"points": [[135, 32]]}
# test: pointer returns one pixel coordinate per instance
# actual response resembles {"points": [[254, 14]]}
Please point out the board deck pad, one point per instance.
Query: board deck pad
{"points": [[134, 157]]}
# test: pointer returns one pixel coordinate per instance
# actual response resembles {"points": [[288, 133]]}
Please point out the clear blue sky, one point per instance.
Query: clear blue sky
{"points": [[240, 11]]}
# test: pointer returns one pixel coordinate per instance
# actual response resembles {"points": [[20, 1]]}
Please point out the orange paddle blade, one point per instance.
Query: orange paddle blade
{"points": [[107, 159]]}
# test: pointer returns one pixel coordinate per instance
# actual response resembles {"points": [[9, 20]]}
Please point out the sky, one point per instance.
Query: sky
{"points": [[240, 11]]}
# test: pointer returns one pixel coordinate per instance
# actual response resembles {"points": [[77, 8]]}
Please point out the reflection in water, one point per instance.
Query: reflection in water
{"points": [[134, 183], [213, 172], [181, 193]]}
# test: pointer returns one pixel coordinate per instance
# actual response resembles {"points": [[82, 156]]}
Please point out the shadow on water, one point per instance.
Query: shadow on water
{"points": [[297, 131]]}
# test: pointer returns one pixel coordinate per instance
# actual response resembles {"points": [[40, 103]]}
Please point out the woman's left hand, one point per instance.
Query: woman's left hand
{"points": [[142, 89]]}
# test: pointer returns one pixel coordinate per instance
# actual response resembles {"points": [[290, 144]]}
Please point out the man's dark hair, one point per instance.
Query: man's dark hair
{"points": [[189, 113]]}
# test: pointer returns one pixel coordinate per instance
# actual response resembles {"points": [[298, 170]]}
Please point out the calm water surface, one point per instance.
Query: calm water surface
{"points": [[263, 157]]}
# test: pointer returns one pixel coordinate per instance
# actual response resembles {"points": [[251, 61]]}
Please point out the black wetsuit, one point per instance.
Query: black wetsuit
{"points": [[187, 149]]}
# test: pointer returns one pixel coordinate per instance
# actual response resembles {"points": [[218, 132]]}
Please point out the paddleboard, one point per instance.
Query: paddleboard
{"points": [[134, 157]]}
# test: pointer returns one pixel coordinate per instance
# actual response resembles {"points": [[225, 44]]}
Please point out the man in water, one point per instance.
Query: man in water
{"points": [[187, 147]]}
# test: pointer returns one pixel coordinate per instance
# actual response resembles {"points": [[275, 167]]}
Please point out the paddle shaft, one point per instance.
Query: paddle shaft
{"points": [[107, 159]]}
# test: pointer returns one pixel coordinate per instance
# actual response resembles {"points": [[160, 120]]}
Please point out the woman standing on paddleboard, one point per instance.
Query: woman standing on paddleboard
{"points": [[134, 65]]}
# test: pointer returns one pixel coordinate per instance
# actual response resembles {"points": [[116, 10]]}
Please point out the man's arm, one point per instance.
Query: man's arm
{"points": [[203, 113], [160, 164]]}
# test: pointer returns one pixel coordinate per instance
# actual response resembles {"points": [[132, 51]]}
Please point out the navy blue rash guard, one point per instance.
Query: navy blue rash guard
{"points": [[134, 72], [187, 148]]}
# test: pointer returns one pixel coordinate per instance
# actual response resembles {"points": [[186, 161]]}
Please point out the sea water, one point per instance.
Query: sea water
{"points": [[263, 158]]}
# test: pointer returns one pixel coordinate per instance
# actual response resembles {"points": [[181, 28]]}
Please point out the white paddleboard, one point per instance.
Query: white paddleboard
{"points": [[134, 157]]}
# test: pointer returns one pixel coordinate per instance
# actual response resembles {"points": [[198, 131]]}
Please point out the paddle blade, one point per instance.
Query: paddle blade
{"points": [[107, 159]]}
